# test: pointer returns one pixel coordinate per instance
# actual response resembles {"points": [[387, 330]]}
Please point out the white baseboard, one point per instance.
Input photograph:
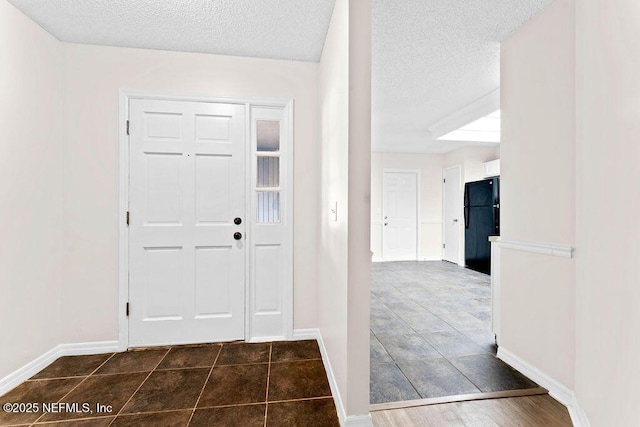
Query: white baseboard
{"points": [[558, 391], [359, 421], [22, 374], [96, 347], [307, 334], [378, 259], [18, 376], [345, 421]]}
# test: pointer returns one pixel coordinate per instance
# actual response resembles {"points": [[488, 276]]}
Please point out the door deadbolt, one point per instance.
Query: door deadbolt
{"points": [[237, 235], [237, 221]]}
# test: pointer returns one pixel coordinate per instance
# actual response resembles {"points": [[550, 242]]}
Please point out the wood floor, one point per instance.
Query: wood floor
{"points": [[529, 411]]}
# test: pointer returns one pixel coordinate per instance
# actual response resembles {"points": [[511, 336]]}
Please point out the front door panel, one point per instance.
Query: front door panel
{"points": [[187, 184]]}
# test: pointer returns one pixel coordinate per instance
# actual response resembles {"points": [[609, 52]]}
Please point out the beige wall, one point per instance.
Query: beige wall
{"points": [[359, 275], [430, 166], [608, 237], [30, 190], [344, 257], [471, 159], [333, 93], [538, 190], [92, 76]]}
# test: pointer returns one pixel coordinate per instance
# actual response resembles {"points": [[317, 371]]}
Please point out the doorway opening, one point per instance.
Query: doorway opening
{"points": [[432, 316]]}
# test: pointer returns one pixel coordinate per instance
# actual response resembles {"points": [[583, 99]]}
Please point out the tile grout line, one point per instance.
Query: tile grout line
{"points": [[301, 399], [446, 358], [205, 383], [401, 370], [77, 385], [162, 411], [266, 397], [140, 386], [315, 359]]}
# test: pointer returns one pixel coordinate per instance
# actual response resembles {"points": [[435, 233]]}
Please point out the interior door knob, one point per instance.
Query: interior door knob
{"points": [[237, 221], [386, 223], [237, 235]]}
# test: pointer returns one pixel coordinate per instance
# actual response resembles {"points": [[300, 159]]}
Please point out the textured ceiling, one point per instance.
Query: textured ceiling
{"points": [[430, 59], [283, 29]]}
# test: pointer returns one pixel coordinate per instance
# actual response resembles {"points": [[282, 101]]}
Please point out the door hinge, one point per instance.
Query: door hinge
{"points": [[444, 180], [443, 245], [127, 217], [127, 127], [127, 309]]}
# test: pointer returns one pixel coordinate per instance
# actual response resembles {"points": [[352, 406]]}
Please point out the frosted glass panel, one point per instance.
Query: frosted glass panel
{"points": [[268, 172], [268, 207], [268, 133]]}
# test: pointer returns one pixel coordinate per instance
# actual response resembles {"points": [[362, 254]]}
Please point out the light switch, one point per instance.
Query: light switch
{"points": [[333, 212]]}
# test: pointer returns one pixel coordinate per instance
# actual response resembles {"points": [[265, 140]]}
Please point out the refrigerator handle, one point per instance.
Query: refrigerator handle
{"points": [[466, 195], [466, 217]]}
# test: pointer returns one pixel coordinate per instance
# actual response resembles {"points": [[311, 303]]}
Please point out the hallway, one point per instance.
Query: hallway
{"points": [[431, 333]]}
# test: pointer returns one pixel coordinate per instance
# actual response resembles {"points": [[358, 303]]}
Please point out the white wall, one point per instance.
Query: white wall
{"points": [[538, 190], [471, 159], [92, 76], [430, 166], [608, 252], [30, 190], [359, 275], [333, 93], [344, 257]]}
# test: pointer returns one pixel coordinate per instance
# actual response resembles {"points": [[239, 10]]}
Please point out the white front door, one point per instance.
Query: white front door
{"points": [[400, 216], [187, 186], [452, 207]]}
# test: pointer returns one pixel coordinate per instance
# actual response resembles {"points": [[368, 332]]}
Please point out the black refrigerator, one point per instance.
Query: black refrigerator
{"points": [[481, 220]]}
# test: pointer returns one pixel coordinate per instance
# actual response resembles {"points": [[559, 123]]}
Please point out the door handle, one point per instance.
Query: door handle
{"points": [[237, 235], [455, 220], [237, 221], [386, 223]]}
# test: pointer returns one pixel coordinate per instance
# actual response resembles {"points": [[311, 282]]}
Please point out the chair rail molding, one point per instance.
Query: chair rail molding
{"points": [[552, 249]]}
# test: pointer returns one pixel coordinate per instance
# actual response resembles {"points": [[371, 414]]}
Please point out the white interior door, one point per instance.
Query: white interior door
{"points": [[187, 185], [400, 216], [452, 209]]}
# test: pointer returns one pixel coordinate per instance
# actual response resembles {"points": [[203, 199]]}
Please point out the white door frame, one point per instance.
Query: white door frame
{"points": [[123, 175], [418, 173], [460, 214]]}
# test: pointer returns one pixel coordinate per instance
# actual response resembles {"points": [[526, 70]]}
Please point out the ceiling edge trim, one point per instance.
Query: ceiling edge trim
{"points": [[472, 112]]}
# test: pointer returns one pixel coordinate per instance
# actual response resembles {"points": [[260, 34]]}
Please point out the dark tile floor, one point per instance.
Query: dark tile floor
{"points": [[235, 384], [431, 333]]}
